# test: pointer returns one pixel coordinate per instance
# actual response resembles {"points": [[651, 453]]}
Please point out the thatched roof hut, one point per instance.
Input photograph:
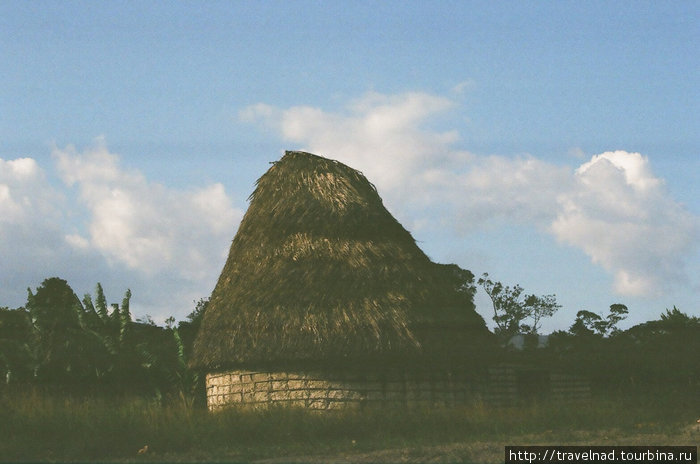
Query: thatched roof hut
{"points": [[320, 270]]}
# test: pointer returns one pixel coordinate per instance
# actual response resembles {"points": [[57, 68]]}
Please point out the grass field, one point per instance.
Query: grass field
{"points": [[39, 427]]}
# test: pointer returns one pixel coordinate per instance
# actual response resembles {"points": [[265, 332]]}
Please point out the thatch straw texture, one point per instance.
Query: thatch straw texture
{"points": [[320, 270]]}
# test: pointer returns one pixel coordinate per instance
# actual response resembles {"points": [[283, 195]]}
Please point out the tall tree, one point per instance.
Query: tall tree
{"points": [[59, 343], [511, 309], [111, 333], [589, 323], [538, 308]]}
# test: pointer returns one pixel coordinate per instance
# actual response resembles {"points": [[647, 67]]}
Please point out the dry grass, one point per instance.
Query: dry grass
{"points": [[40, 428]]}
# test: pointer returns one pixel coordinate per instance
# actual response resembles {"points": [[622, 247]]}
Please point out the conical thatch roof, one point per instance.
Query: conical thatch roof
{"points": [[320, 270]]}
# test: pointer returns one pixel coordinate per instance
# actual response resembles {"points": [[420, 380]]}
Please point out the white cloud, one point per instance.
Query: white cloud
{"points": [[24, 194], [379, 134], [613, 207], [78, 242], [145, 225], [497, 188], [621, 216], [31, 217], [167, 245], [633, 166], [29, 206], [414, 167]]}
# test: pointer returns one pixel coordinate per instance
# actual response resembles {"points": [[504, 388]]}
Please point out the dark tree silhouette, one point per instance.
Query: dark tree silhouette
{"points": [[16, 356], [588, 323], [61, 349], [511, 309]]}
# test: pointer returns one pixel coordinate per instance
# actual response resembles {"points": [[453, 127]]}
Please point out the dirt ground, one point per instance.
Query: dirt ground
{"points": [[493, 452]]}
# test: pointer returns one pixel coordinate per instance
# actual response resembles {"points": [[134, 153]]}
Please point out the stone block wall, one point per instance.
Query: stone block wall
{"points": [[331, 391], [567, 387], [508, 385], [502, 385]]}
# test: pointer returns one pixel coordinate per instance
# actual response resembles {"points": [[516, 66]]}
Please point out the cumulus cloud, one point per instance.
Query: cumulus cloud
{"points": [[621, 216], [144, 225], [31, 216], [385, 136], [110, 224], [381, 134], [24, 193], [612, 207], [30, 209]]}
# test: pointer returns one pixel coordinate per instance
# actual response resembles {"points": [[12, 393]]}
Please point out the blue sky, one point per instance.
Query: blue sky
{"points": [[551, 144]]}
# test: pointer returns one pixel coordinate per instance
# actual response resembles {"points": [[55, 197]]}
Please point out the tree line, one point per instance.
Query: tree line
{"points": [[58, 340], [661, 353]]}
